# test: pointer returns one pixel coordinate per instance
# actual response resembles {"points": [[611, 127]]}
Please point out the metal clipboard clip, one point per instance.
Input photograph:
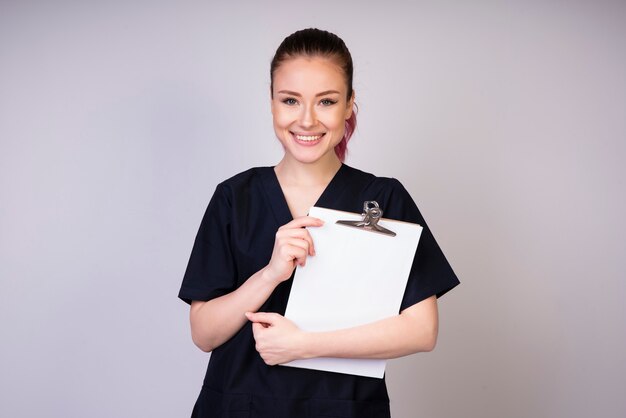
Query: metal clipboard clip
{"points": [[371, 215]]}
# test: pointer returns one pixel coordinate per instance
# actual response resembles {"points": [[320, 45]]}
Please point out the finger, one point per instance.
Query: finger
{"points": [[291, 235], [256, 327], [302, 244], [305, 235], [263, 317], [290, 251], [297, 254], [303, 221], [301, 233]]}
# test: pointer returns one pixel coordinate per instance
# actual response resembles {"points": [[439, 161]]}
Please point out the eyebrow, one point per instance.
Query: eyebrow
{"points": [[324, 93]]}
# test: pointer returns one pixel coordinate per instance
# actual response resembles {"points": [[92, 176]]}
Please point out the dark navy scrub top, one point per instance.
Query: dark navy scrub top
{"points": [[235, 240]]}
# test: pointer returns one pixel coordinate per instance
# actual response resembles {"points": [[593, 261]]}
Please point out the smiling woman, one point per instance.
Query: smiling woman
{"points": [[310, 109], [242, 264]]}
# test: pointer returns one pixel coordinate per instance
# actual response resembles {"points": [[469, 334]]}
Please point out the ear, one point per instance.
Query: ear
{"points": [[350, 106], [271, 101]]}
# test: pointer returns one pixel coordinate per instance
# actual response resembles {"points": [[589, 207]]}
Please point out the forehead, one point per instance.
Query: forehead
{"points": [[309, 74]]}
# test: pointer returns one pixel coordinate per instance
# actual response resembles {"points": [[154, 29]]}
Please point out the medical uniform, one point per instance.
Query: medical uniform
{"points": [[235, 240]]}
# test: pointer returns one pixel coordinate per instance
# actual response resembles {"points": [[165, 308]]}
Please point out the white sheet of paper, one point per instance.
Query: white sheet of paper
{"points": [[356, 277]]}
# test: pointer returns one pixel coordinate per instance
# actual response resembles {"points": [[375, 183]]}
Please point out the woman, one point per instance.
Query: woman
{"points": [[253, 235]]}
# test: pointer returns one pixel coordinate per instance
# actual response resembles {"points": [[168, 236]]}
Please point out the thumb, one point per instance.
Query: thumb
{"points": [[262, 317]]}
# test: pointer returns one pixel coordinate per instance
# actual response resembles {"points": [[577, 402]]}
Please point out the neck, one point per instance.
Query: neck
{"points": [[295, 173]]}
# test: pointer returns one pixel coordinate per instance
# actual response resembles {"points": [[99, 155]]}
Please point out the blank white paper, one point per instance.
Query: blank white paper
{"points": [[356, 277]]}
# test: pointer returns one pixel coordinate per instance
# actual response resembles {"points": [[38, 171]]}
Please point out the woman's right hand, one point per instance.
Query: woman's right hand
{"points": [[292, 245]]}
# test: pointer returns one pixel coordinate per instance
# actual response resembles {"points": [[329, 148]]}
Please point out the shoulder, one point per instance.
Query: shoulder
{"points": [[239, 187], [389, 192], [377, 185], [243, 182], [246, 177]]}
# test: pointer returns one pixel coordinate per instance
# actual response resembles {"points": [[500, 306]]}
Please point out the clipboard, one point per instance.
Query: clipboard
{"points": [[358, 276]]}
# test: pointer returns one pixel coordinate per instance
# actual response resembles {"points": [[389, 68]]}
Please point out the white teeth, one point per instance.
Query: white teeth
{"points": [[308, 138]]}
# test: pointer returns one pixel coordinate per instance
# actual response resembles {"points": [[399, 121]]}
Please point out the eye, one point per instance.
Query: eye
{"points": [[327, 102], [290, 101]]}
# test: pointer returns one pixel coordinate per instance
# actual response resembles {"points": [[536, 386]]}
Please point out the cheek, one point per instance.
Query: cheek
{"points": [[336, 119], [281, 118]]}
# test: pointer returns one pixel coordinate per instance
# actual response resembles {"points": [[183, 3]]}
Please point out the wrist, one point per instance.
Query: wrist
{"points": [[307, 345], [268, 278]]}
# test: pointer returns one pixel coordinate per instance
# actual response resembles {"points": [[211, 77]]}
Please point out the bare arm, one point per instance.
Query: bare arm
{"points": [[215, 321], [414, 330]]}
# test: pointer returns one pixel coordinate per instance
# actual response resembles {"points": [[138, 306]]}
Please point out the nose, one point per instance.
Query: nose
{"points": [[308, 118]]}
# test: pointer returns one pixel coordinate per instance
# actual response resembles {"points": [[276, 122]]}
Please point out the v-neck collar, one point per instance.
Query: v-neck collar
{"points": [[277, 199]]}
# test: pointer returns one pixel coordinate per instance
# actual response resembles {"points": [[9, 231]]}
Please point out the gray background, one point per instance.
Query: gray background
{"points": [[505, 120]]}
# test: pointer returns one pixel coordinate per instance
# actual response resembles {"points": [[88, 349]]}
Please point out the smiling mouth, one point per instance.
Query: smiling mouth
{"points": [[307, 138]]}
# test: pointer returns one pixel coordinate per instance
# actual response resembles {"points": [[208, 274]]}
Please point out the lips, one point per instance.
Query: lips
{"points": [[307, 139]]}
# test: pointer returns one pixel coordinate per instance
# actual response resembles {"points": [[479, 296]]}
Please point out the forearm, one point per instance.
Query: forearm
{"points": [[413, 331], [214, 322]]}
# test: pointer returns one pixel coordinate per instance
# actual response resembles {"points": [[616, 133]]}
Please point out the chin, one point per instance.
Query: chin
{"points": [[308, 158]]}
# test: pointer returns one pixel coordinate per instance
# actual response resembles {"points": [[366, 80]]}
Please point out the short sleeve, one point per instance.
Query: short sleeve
{"points": [[431, 273], [211, 269]]}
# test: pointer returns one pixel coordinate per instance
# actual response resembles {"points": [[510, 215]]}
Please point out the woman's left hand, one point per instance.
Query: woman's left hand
{"points": [[278, 340]]}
